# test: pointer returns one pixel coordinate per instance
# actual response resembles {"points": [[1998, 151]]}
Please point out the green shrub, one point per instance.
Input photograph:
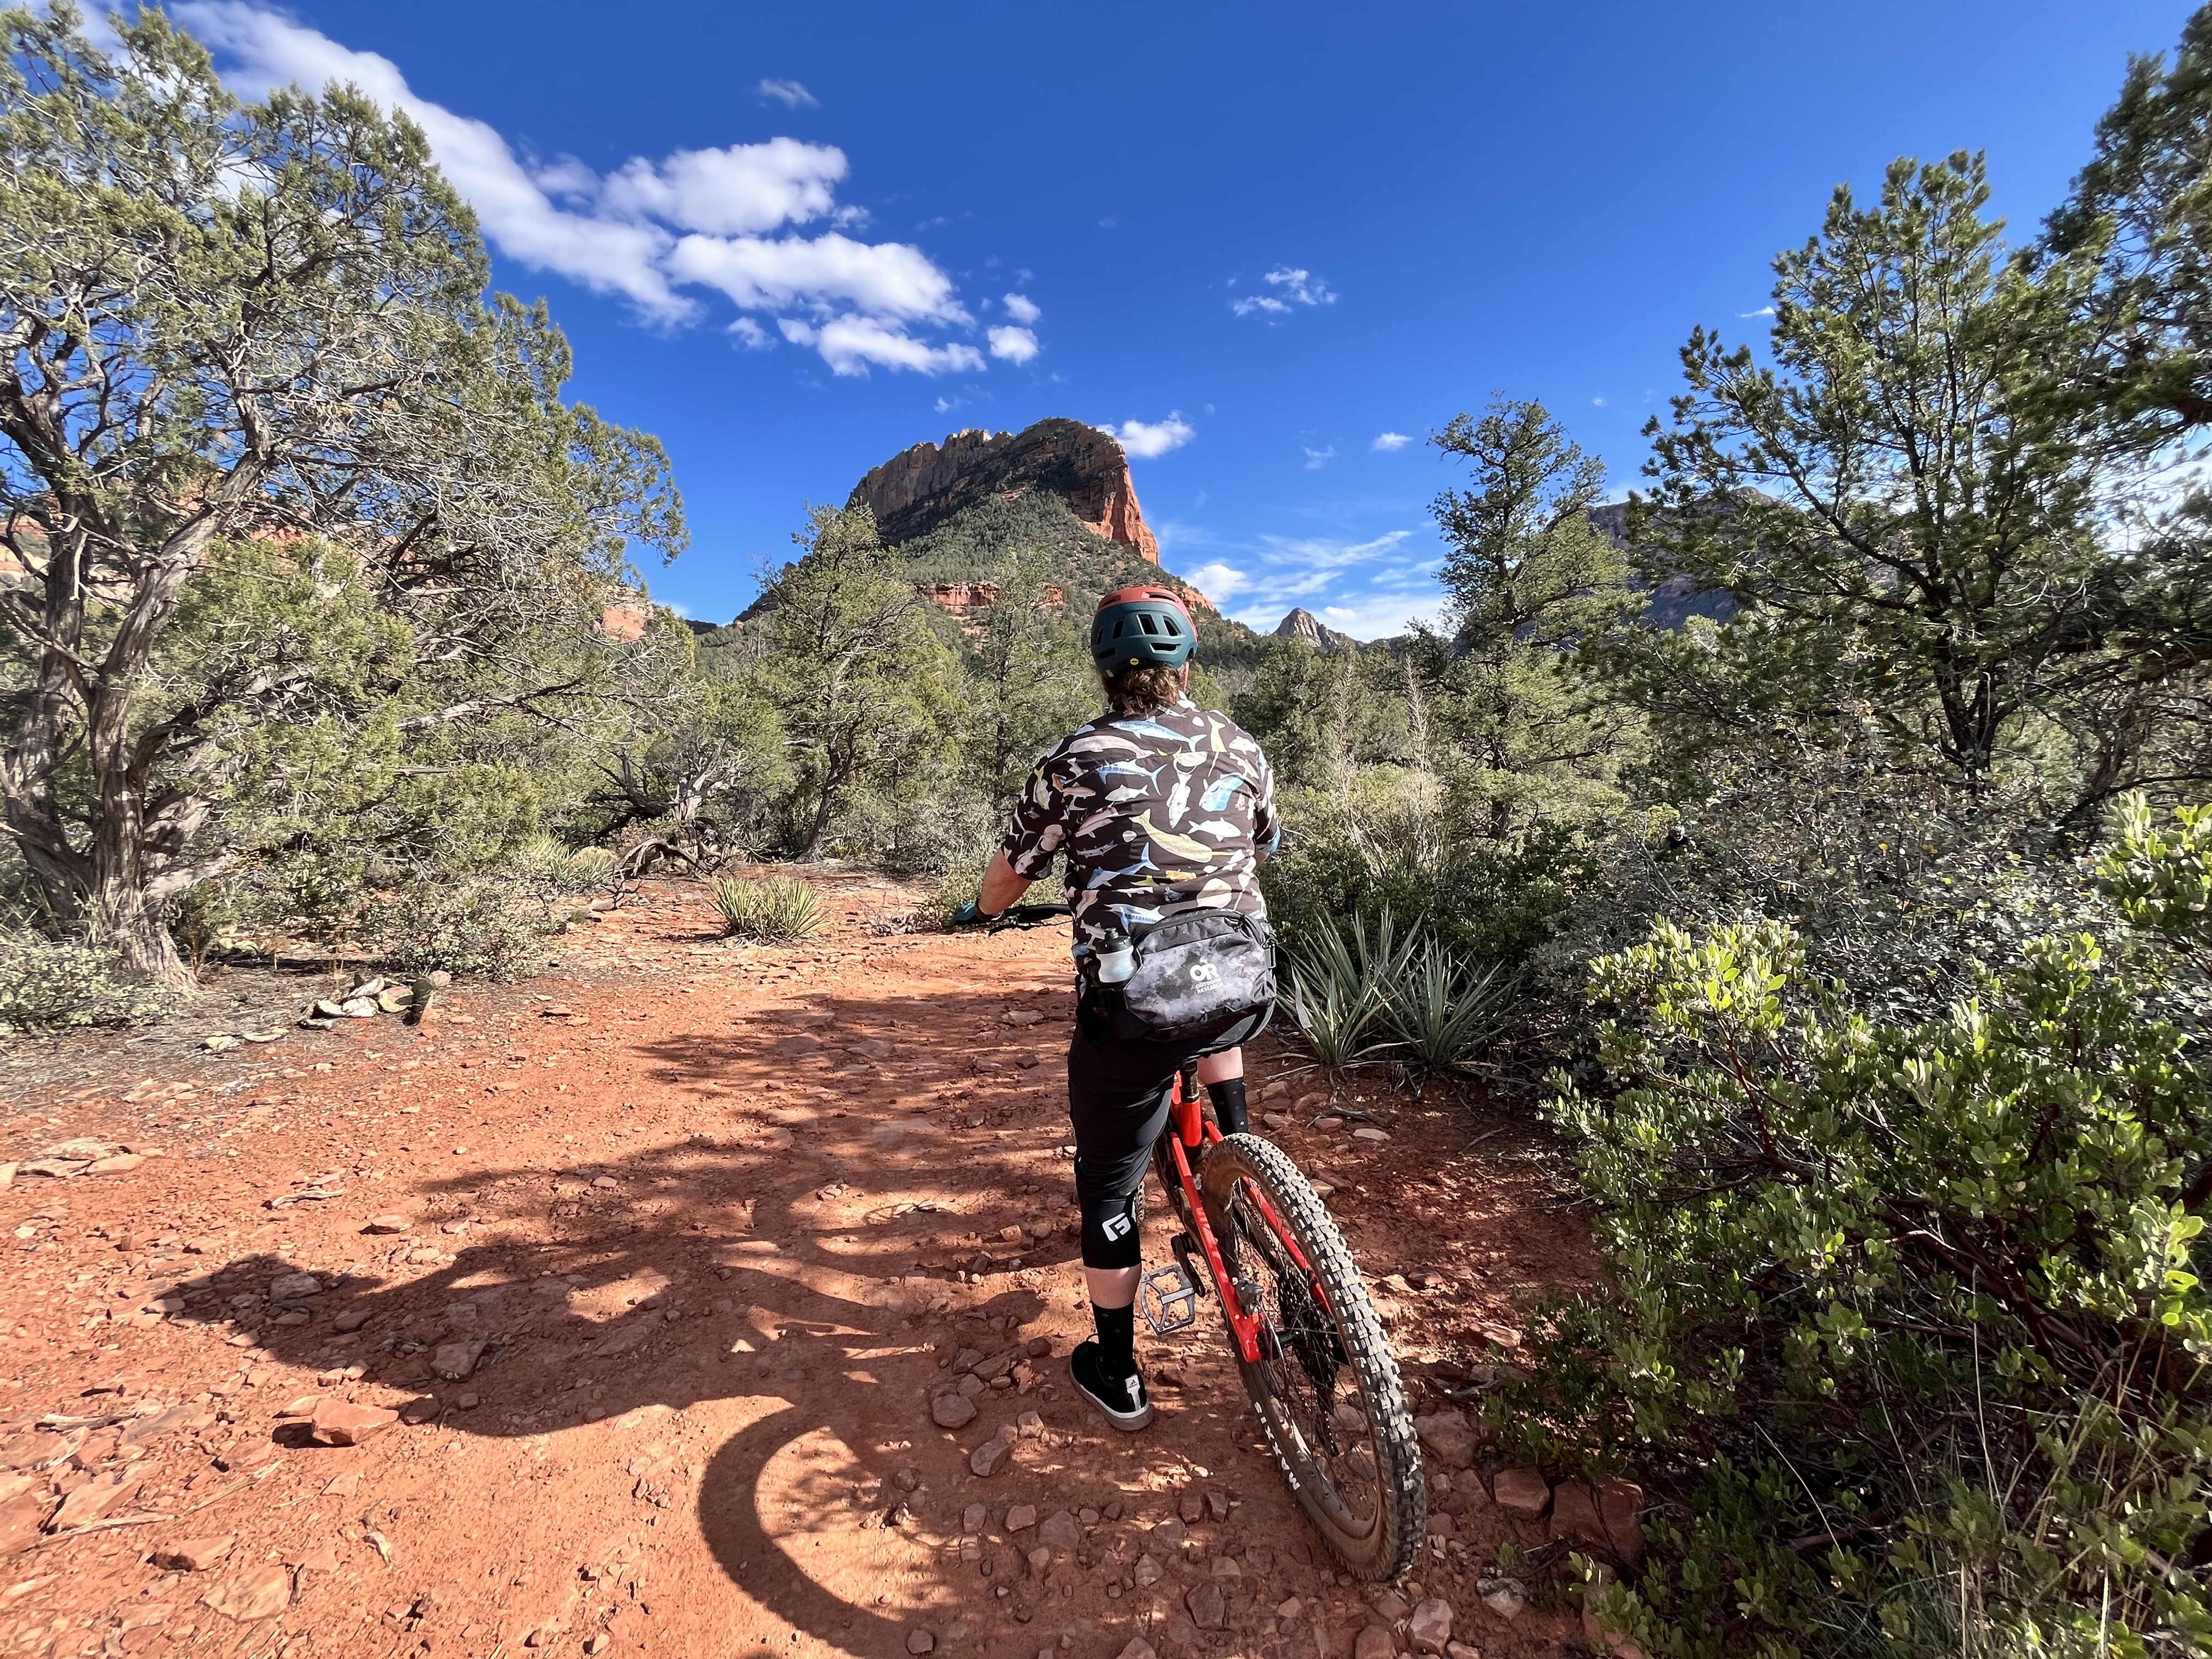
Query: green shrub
{"points": [[1484, 905], [775, 911], [46, 984], [1902, 1317], [545, 867], [466, 927]]}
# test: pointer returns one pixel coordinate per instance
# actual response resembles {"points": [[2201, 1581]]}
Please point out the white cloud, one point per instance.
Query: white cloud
{"points": [[1022, 308], [265, 52], [1146, 440], [1318, 458], [1387, 441], [1294, 287], [1016, 345], [1368, 589], [1382, 616], [818, 274], [791, 94], [1303, 287], [1217, 582], [850, 344], [745, 189], [1598, 402], [704, 218], [1764, 311]]}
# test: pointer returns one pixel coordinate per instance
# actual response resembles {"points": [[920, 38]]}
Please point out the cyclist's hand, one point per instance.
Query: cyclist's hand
{"points": [[967, 916]]}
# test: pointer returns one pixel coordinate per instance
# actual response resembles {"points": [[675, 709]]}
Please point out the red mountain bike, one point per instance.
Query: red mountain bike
{"points": [[1306, 1336], [1299, 1320]]}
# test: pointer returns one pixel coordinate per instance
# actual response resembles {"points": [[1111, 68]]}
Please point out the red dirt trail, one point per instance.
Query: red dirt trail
{"points": [[722, 1216]]}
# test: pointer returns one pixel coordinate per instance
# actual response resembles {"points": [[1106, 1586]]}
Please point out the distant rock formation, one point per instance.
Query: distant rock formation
{"points": [[1303, 624], [624, 620], [919, 489], [957, 597], [1675, 599]]}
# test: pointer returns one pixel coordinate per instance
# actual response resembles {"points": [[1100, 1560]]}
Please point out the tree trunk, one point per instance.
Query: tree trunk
{"points": [[121, 914], [123, 920], [821, 822]]}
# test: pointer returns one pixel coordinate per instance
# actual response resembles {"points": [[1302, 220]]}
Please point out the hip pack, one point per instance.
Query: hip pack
{"points": [[1196, 975]]}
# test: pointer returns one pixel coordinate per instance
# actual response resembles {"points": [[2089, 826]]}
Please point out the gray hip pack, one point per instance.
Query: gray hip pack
{"points": [[1195, 976]]}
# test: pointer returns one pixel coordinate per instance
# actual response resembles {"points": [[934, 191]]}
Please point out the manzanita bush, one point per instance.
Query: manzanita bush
{"points": [[1903, 1318]]}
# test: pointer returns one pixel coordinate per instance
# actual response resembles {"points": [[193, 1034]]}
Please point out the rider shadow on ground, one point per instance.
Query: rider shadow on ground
{"points": [[810, 1249]]}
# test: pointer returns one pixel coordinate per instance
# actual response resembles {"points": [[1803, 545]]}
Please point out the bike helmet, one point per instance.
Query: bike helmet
{"points": [[1142, 628]]}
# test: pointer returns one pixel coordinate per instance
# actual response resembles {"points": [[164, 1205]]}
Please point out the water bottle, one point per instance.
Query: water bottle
{"points": [[1115, 957]]}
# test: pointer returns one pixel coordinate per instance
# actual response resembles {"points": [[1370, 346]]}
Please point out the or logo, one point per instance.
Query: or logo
{"points": [[1204, 973], [1116, 1226]]}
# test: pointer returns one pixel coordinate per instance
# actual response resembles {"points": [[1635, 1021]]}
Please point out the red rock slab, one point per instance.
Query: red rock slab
{"points": [[341, 1423]]}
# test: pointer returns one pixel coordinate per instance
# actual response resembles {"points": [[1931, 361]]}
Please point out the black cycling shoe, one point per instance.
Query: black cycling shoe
{"points": [[1125, 1402]]}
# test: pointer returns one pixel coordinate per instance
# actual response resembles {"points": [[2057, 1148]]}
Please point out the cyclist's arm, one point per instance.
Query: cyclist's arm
{"points": [[1002, 886], [1266, 824]]}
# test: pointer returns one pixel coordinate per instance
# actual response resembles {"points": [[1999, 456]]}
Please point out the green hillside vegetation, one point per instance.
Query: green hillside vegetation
{"points": [[1849, 935], [985, 541]]}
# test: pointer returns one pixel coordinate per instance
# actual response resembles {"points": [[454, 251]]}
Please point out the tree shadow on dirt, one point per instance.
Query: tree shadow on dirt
{"points": [[834, 1216]]}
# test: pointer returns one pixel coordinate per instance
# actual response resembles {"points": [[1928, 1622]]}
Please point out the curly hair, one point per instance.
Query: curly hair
{"points": [[1145, 690]]}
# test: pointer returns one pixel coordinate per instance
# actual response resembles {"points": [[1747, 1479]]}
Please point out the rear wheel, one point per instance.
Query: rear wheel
{"points": [[1326, 1384]]}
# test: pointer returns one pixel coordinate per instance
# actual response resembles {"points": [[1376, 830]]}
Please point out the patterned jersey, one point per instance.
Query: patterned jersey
{"points": [[1157, 814]]}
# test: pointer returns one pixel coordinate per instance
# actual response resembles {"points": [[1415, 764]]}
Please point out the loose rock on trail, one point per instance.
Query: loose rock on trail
{"points": [[701, 1298]]}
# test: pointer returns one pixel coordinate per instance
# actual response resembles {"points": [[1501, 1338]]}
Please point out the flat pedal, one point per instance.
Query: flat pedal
{"points": [[1169, 1298]]}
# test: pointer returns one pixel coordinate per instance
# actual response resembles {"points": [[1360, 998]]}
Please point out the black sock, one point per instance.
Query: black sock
{"points": [[1228, 1098], [1117, 1339]]}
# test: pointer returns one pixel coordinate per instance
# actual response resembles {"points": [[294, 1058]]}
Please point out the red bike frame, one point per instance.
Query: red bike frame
{"points": [[1189, 1130]]}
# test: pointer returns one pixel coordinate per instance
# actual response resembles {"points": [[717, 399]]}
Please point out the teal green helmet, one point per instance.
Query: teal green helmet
{"points": [[1141, 627]]}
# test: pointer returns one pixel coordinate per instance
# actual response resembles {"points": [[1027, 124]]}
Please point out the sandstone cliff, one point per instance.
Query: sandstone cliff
{"points": [[921, 488], [957, 597]]}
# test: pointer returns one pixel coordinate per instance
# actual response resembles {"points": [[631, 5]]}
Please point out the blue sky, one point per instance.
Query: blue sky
{"points": [[795, 240]]}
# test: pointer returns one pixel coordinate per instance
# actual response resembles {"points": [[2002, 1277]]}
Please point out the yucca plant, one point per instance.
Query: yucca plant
{"points": [[773, 911], [1340, 982], [1442, 1011]]}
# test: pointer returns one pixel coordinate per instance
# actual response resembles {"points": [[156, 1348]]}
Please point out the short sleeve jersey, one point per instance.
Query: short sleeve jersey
{"points": [[1157, 814]]}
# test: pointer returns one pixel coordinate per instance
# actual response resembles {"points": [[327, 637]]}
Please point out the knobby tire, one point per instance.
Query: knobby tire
{"points": [[1372, 1516]]}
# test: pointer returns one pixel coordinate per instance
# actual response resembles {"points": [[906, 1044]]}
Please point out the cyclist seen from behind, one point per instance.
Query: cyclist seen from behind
{"points": [[1164, 812]]}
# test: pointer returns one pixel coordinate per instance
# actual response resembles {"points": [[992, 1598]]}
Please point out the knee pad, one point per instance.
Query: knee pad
{"points": [[1110, 1232]]}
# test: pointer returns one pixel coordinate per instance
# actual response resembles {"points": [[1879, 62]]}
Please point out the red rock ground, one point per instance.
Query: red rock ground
{"points": [[721, 1217]]}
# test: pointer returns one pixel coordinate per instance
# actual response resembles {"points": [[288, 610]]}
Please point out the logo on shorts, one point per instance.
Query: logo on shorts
{"points": [[1116, 1226]]}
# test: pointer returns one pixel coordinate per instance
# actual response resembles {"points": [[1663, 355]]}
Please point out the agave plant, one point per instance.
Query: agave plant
{"points": [[1340, 982], [774, 911], [1441, 1012]]}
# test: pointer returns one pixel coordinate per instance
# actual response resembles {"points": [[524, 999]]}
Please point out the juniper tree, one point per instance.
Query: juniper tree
{"points": [[864, 686], [227, 323], [1029, 682]]}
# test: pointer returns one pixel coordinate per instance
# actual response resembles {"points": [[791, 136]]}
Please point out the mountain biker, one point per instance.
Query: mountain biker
{"points": [[1164, 811]]}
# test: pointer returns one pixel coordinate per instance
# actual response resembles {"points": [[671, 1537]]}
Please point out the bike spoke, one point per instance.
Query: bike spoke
{"points": [[1318, 1411]]}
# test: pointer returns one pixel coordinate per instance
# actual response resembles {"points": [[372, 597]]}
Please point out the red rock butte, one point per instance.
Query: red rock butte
{"points": [[918, 488]]}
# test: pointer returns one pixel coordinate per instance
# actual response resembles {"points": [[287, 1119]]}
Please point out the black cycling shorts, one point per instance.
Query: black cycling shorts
{"points": [[1117, 1097]]}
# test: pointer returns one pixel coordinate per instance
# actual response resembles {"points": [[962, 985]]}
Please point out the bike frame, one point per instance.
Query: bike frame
{"points": [[1190, 1131]]}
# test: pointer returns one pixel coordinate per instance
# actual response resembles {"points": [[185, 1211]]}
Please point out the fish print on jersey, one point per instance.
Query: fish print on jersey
{"points": [[1158, 814]]}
